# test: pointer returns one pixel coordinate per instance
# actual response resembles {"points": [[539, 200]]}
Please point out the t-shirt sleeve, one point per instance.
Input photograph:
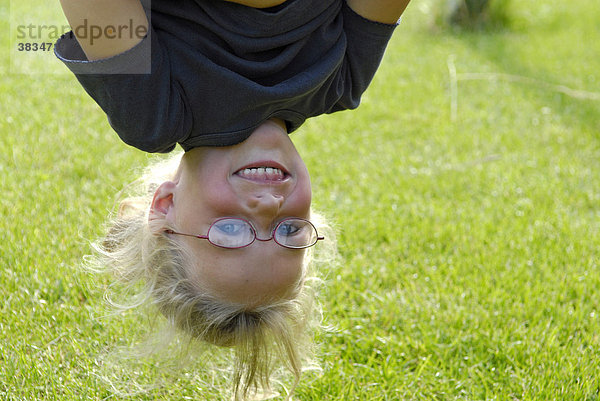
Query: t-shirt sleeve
{"points": [[144, 105], [366, 42]]}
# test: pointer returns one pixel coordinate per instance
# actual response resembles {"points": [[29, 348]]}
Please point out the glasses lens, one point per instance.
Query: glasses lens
{"points": [[231, 233], [296, 233]]}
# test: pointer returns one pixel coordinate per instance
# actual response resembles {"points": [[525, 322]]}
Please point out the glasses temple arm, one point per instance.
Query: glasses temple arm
{"points": [[186, 235]]}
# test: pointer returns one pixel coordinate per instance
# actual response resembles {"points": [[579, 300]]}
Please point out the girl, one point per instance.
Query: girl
{"points": [[221, 244]]}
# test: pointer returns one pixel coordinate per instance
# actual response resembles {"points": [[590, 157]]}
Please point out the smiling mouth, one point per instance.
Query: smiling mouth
{"points": [[262, 173]]}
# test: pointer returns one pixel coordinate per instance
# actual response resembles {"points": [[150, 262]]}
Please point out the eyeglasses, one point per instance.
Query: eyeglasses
{"points": [[235, 233]]}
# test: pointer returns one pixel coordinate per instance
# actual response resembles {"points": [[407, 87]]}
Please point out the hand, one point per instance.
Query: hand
{"points": [[105, 28], [386, 11]]}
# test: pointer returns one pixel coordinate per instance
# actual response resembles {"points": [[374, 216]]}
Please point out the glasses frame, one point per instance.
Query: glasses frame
{"points": [[272, 237]]}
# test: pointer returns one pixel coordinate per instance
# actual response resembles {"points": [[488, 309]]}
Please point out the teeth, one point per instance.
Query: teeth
{"points": [[273, 173]]}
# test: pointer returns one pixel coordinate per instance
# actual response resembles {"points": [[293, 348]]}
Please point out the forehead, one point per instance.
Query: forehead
{"points": [[253, 275]]}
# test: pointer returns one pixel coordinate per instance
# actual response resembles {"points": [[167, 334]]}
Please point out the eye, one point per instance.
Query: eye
{"points": [[288, 229], [231, 233], [230, 227]]}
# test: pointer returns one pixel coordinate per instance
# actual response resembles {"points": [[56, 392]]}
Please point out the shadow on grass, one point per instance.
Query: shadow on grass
{"points": [[549, 86]]}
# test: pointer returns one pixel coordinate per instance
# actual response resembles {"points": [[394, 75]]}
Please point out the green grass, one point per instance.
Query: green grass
{"points": [[469, 245]]}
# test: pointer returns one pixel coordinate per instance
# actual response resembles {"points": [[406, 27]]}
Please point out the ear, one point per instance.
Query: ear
{"points": [[162, 208]]}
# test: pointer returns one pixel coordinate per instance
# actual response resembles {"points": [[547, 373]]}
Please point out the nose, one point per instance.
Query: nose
{"points": [[264, 209]]}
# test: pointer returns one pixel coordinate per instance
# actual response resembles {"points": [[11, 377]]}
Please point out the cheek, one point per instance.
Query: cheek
{"points": [[218, 198], [302, 200], [203, 205]]}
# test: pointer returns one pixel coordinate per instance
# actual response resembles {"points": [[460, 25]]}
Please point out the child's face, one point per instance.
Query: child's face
{"points": [[214, 182]]}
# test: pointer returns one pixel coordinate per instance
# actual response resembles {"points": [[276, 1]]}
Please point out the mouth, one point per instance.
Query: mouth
{"points": [[269, 171]]}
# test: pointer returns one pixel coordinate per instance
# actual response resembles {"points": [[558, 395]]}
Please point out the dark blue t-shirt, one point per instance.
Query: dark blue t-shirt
{"points": [[219, 69]]}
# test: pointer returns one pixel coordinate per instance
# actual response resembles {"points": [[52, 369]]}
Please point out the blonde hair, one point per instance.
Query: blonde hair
{"points": [[279, 332]]}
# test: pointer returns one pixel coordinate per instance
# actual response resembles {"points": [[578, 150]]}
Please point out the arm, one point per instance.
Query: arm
{"points": [[368, 27], [108, 24], [129, 76], [386, 11]]}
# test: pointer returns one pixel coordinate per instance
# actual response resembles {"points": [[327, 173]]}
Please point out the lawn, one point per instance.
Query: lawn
{"points": [[465, 191]]}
